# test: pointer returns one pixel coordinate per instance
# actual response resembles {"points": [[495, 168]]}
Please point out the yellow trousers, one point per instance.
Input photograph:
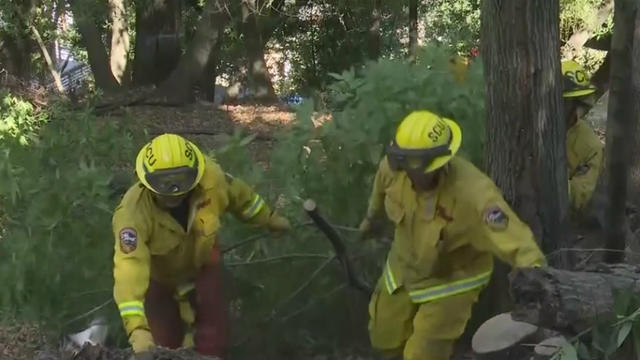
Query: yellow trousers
{"points": [[427, 331]]}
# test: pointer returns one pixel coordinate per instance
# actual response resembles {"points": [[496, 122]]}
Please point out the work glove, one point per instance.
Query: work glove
{"points": [[368, 227], [141, 341], [365, 227], [278, 224]]}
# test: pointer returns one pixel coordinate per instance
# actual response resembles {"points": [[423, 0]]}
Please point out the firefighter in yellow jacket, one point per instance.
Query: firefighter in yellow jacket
{"points": [[450, 219], [166, 253], [585, 151]]}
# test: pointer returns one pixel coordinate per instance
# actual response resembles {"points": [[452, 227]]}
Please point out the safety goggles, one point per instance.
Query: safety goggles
{"points": [[175, 181], [413, 160]]}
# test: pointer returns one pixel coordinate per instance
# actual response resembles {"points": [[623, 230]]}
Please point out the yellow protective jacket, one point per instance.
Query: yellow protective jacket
{"points": [[585, 154], [445, 239], [150, 243]]}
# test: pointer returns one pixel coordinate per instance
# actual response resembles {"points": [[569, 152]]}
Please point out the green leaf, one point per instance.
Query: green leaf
{"points": [[567, 352], [623, 332]]}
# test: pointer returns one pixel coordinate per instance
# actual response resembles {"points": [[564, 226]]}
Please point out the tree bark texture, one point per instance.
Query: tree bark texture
{"points": [[259, 79], [633, 185], [179, 86], [374, 41], [211, 70], [157, 40], [119, 39], [622, 114], [96, 50], [570, 300], [526, 130], [17, 44], [413, 29]]}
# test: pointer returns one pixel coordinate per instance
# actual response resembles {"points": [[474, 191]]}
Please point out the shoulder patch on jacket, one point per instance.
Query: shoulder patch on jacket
{"points": [[128, 240], [495, 218]]}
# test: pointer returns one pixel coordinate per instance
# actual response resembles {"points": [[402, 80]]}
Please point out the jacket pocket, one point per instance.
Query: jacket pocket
{"points": [[164, 240]]}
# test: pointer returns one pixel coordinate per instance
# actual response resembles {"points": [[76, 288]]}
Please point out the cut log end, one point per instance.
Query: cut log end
{"points": [[498, 335], [309, 205]]}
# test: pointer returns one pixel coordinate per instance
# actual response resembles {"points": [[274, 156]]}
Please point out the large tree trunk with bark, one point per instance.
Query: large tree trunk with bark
{"points": [[526, 153], [260, 85], [96, 50], [633, 185], [119, 39], [157, 40], [622, 114], [374, 42], [413, 29], [17, 44], [210, 75], [525, 127], [570, 300], [178, 88]]}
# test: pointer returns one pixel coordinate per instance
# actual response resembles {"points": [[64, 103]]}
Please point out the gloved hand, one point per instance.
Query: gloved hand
{"points": [[278, 224], [365, 227], [141, 341], [369, 226]]}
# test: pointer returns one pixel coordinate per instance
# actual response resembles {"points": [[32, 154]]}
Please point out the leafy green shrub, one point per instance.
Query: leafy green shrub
{"points": [[18, 118], [55, 254], [335, 163]]}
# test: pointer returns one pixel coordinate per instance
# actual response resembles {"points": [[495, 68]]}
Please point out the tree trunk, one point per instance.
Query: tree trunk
{"points": [[96, 51], [413, 29], [178, 88], [211, 70], [525, 127], [119, 39], [622, 114], [50, 65], [633, 185], [374, 30], [16, 51], [260, 85], [570, 300], [157, 41]]}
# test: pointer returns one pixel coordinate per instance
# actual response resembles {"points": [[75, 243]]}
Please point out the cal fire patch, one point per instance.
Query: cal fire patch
{"points": [[128, 240], [495, 218]]}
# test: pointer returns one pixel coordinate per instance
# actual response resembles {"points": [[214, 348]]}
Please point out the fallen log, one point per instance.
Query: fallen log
{"points": [[570, 301]]}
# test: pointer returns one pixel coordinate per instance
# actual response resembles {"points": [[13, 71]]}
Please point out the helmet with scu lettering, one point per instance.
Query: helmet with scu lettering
{"points": [[575, 80], [424, 142], [170, 165]]}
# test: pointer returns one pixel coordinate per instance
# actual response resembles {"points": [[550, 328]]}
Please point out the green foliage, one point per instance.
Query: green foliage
{"points": [[55, 254], [343, 153], [608, 337], [18, 119], [453, 23]]}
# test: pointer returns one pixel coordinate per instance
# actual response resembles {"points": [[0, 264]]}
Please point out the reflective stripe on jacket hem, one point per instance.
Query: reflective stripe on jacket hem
{"points": [[131, 308], [450, 289]]}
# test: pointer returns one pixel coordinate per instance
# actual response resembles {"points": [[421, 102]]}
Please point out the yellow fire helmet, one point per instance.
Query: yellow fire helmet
{"points": [[170, 165], [575, 80], [424, 142]]}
